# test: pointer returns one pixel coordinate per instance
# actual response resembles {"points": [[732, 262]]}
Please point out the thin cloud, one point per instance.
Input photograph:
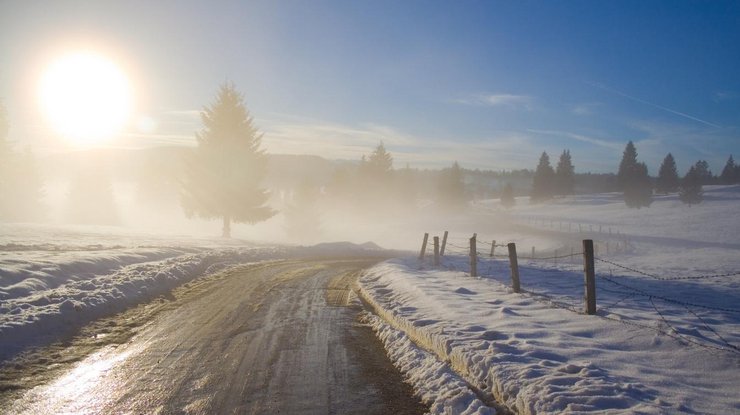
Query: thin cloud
{"points": [[660, 107], [584, 109], [579, 137], [493, 100], [721, 96], [290, 135]]}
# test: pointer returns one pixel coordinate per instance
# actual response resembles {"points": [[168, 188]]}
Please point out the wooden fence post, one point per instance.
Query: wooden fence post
{"points": [[424, 246], [493, 247], [444, 244], [436, 251], [590, 276], [532, 252], [514, 265], [473, 257]]}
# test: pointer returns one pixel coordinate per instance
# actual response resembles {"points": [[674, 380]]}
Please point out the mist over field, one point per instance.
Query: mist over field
{"points": [[417, 207]]}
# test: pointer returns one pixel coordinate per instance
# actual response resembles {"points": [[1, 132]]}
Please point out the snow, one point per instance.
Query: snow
{"points": [[665, 338], [660, 343], [54, 279]]}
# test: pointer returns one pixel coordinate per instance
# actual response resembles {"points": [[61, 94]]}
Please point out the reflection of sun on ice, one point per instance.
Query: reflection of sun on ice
{"points": [[85, 97]]}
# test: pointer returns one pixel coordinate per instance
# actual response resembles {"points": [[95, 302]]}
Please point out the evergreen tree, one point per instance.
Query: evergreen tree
{"points": [[729, 173], [225, 171], [380, 162], [565, 175], [507, 196], [702, 171], [633, 179], [627, 166], [668, 180], [543, 181], [451, 188], [691, 191]]}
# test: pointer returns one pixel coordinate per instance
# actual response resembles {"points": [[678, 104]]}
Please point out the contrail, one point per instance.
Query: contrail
{"points": [[681, 114]]}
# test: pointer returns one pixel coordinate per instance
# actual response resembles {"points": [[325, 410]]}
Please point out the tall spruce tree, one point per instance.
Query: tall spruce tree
{"points": [[543, 183], [691, 189], [730, 172], [633, 179], [224, 174], [565, 175], [380, 162], [702, 171], [668, 180], [627, 165]]}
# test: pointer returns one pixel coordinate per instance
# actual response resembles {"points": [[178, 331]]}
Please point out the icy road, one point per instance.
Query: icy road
{"points": [[277, 337]]}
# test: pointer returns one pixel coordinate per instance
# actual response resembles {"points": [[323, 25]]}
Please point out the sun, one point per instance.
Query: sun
{"points": [[85, 97]]}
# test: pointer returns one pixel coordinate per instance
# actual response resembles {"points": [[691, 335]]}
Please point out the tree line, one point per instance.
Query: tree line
{"points": [[632, 179], [223, 176]]}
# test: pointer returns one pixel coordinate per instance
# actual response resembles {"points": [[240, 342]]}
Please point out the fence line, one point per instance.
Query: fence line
{"points": [[625, 292]]}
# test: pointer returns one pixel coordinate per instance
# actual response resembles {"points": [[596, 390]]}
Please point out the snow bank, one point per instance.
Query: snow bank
{"points": [[536, 354], [69, 294], [54, 279], [434, 381]]}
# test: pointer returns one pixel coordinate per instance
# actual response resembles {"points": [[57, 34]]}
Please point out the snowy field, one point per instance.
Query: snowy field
{"points": [[54, 279], [666, 337]]}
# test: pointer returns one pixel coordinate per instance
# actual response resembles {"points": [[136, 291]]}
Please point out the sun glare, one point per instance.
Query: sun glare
{"points": [[85, 97]]}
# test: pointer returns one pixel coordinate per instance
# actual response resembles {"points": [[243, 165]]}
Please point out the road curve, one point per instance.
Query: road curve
{"points": [[267, 338]]}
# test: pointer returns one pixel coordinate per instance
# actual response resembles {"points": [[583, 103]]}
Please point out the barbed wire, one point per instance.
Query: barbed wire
{"points": [[670, 300], [486, 260], [686, 338], [550, 258], [667, 333], [657, 277], [625, 296]]}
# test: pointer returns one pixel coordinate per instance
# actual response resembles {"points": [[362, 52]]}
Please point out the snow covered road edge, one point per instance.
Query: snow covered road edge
{"points": [[527, 383], [44, 316], [433, 380]]}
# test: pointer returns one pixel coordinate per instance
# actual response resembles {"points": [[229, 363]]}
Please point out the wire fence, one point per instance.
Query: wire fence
{"points": [[689, 309]]}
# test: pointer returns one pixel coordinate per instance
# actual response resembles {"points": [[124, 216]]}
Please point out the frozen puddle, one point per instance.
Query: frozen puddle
{"points": [[86, 388]]}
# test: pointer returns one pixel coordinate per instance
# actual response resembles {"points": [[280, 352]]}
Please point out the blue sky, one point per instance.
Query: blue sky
{"points": [[489, 84]]}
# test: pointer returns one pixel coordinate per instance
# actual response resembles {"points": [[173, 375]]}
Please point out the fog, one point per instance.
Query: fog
{"points": [[315, 200]]}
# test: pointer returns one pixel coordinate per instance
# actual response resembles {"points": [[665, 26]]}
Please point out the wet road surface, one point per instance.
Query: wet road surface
{"points": [[267, 338]]}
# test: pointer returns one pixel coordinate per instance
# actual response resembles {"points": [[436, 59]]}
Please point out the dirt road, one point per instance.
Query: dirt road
{"points": [[267, 338]]}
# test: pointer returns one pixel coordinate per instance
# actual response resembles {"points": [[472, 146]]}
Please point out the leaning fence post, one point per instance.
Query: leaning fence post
{"points": [[436, 251], [424, 246], [444, 244], [493, 247], [473, 258], [514, 267], [589, 274]]}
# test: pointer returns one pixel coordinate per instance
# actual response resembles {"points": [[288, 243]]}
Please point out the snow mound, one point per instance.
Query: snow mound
{"points": [[534, 356], [64, 296], [436, 384]]}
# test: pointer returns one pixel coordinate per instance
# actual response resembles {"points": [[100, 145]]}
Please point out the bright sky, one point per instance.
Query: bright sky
{"points": [[488, 83]]}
